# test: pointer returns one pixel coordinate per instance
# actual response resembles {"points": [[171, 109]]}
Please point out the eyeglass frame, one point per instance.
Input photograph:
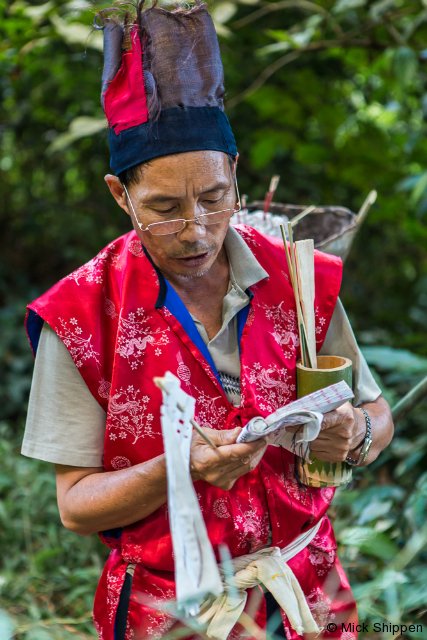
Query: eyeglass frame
{"points": [[196, 219]]}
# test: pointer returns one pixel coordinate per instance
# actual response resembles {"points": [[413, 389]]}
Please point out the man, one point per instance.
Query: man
{"points": [[188, 293]]}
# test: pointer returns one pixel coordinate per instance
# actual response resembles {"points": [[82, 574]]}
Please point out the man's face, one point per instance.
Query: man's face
{"points": [[184, 185]]}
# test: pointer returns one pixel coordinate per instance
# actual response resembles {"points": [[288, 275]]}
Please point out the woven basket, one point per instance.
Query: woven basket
{"points": [[332, 228]]}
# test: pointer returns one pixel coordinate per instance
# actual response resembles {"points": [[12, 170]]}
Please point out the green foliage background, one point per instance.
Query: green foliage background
{"points": [[330, 95]]}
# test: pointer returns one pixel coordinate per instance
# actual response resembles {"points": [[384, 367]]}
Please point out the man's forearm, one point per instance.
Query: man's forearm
{"points": [[92, 500]]}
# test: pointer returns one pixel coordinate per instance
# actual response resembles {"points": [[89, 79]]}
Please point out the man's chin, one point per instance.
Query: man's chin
{"points": [[199, 273]]}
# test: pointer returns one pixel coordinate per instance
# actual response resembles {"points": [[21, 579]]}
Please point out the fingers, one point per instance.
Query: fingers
{"points": [[244, 451], [221, 438], [337, 454], [234, 461], [332, 445], [343, 416], [337, 434]]}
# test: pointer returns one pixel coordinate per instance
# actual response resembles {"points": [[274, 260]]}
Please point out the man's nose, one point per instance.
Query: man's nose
{"points": [[193, 228]]}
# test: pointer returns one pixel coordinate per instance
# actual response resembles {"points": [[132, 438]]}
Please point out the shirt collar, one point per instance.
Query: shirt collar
{"points": [[245, 270]]}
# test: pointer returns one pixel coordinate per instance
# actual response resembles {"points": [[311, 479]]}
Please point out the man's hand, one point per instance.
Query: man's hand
{"points": [[342, 431], [222, 467]]}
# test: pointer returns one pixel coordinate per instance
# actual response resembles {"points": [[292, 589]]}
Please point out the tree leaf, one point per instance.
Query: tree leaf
{"points": [[79, 128], [75, 33], [369, 541], [6, 626], [346, 5], [405, 64], [38, 12], [388, 359], [377, 9]]}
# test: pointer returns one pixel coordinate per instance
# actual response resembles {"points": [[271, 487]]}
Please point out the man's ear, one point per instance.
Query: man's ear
{"points": [[235, 161], [117, 191]]}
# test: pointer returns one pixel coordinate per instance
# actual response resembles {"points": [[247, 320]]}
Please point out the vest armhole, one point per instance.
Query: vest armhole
{"points": [[33, 324]]}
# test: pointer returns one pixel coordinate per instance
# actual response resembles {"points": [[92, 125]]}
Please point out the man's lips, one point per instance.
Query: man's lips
{"points": [[195, 258]]}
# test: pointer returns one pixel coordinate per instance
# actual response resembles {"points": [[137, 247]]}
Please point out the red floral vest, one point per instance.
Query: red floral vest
{"points": [[111, 316]]}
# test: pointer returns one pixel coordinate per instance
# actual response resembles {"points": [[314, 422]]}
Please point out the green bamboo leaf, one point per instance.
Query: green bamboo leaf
{"points": [[420, 188], [79, 128], [75, 33], [369, 542], [389, 359], [38, 12]]}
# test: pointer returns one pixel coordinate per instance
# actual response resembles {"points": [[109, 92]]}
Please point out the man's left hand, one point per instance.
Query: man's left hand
{"points": [[342, 431]]}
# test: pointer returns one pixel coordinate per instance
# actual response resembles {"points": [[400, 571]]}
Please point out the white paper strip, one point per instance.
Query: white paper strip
{"points": [[196, 571], [304, 250]]}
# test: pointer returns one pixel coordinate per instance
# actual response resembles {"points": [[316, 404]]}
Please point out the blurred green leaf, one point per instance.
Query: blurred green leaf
{"points": [[405, 65], [386, 358], [75, 33], [79, 128], [6, 626], [344, 5], [369, 541]]}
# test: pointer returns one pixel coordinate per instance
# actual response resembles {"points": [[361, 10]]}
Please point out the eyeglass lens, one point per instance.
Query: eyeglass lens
{"points": [[174, 226]]}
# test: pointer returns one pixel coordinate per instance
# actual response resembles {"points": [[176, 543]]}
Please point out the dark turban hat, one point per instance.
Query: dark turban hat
{"points": [[163, 86]]}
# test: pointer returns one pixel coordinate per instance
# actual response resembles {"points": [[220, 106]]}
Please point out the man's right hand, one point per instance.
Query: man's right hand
{"points": [[223, 466]]}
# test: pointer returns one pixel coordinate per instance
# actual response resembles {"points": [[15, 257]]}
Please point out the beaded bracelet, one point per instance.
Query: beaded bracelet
{"points": [[366, 442]]}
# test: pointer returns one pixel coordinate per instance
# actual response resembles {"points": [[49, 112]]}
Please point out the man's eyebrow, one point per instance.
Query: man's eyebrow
{"points": [[162, 197], [221, 184]]}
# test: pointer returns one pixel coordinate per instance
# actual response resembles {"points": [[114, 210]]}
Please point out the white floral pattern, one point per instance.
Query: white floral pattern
{"points": [[128, 415], [320, 322], [93, 271], [114, 587], [98, 629], [273, 385], [135, 335], [130, 633], [255, 527], [159, 625], [320, 606], [110, 308], [120, 462], [135, 248], [285, 328], [296, 491], [252, 526], [220, 508], [183, 371], [209, 414], [78, 344], [321, 560]]}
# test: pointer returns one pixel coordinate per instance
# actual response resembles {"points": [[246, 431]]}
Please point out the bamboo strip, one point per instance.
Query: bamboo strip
{"points": [[304, 253], [305, 355], [302, 215]]}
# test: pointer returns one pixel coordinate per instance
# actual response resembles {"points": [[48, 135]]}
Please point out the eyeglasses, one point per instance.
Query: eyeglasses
{"points": [[168, 227]]}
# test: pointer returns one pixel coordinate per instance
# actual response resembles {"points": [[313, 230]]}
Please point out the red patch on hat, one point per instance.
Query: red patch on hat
{"points": [[125, 101]]}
